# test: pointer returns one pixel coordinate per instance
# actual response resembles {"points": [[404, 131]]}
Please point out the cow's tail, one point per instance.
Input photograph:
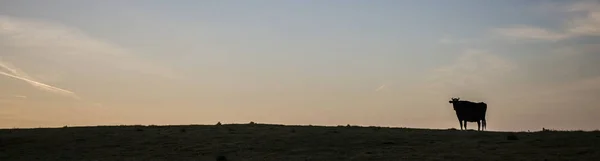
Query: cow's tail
{"points": [[484, 124], [484, 113]]}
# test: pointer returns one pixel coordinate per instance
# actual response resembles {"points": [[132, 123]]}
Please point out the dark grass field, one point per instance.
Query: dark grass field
{"points": [[259, 142]]}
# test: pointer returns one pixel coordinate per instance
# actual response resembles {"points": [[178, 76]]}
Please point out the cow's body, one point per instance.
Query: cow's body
{"points": [[467, 111]]}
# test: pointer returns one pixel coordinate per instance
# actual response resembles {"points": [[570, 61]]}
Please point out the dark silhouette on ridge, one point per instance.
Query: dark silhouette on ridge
{"points": [[468, 111]]}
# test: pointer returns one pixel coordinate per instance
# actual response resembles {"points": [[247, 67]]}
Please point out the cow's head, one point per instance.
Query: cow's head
{"points": [[454, 100]]}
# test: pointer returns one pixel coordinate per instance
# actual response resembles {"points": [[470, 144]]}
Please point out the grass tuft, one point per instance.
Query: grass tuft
{"points": [[512, 136]]}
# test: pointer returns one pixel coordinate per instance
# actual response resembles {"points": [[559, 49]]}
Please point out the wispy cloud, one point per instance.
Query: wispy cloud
{"points": [[486, 76], [380, 88], [16, 73], [13, 96], [54, 52], [530, 32], [589, 23], [67, 45], [448, 39], [474, 73], [585, 21], [20, 96]]}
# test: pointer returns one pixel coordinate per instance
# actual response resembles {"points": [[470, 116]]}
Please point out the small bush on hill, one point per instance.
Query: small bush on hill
{"points": [[512, 136], [221, 158]]}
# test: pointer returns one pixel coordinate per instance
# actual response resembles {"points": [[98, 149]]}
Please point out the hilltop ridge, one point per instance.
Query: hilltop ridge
{"points": [[291, 142]]}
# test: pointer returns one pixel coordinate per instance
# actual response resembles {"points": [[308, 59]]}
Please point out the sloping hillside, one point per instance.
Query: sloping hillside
{"points": [[289, 143]]}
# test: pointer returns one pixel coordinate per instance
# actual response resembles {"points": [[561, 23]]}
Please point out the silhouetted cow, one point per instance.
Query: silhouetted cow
{"points": [[468, 111]]}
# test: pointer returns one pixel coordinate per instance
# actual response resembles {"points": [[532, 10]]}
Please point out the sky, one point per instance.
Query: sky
{"points": [[371, 63]]}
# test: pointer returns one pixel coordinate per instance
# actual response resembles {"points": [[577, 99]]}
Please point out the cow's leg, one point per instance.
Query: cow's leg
{"points": [[461, 125], [478, 125], [484, 124], [466, 125]]}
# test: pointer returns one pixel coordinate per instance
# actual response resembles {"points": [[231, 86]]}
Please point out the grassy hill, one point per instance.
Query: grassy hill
{"points": [[239, 142]]}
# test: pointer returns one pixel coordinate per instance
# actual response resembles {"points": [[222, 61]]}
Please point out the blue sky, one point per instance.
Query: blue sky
{"points": [[391, 63]]}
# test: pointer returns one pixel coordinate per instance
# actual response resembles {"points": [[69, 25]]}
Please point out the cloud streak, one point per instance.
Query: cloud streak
{"points": [[380, 88], [17, 74], [530, 32], [21, 96], [45, 47], [66, 45], [449, 39]]}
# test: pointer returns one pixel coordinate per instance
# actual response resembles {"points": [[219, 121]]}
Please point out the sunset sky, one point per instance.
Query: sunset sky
{"points": [[395, 63]]}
